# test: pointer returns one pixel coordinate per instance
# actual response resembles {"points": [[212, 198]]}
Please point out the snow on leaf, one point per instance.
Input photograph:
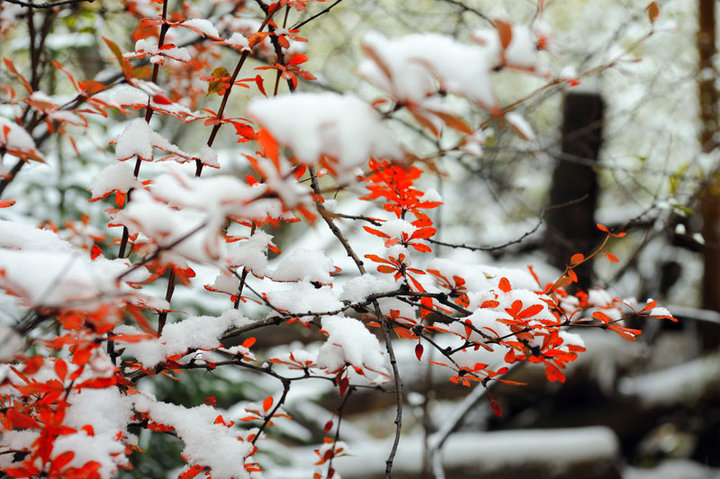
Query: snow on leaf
{"points": [[205, 443], [303, 298], [19, 236], [136, 139], [66, 277], [201, 26], [303, 265], [349, 341], [115, 177], [418, 65], [520, 126], [312, 124], [195, 332], [18, 142]]}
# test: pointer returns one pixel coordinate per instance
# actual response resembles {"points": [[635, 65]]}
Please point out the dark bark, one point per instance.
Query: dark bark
{"points": [[573, 196], [710, 193]]}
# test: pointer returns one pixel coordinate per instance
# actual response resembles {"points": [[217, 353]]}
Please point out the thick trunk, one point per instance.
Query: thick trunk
{"points": [[710, 194], [573, 196]]}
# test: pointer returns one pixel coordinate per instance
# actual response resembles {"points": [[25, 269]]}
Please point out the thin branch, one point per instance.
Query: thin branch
{"points": [[160, 250], [326, 216], [518, 240], [437, 440], [386, 332], [47, 4], [15, 170], [340, 411], [465, 8], [320, 13], [280, 402]]}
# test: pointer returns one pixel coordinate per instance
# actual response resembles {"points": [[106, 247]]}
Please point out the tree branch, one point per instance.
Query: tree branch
{"points": [[47, 4]]}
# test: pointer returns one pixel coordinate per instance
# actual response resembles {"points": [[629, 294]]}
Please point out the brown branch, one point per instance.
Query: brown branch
{"points": [[47, 4], [320, 13]]}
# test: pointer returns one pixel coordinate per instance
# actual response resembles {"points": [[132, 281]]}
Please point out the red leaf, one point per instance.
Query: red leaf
{"points": [[328, 426], [383, 268], [297, 59], [576, 259], [269, 146], [6, 203], [60, 369], [210, 401], [600, 316], [504, 32], [344, 383], [95, 251], [98, 383], [653, 11], [504, 285], [191, 472], [419, 351], [259, 81], [649, 305], [267, 403], [495, 408], [530, 311], [132, 338], [18, 419], [375, 232], [611, 257], [161, 99], [62, 460]]}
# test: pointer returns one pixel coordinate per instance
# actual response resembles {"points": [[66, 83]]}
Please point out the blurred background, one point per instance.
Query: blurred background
{"points": [[631, 145]]}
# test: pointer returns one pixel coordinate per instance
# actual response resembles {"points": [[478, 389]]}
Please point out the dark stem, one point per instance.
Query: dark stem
{"points": [[47, 4]]}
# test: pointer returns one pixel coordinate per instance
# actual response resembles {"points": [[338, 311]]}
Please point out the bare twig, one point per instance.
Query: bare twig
{"points": [[518, 240], [437, 440], [466, 8], [46, 4], [320, 13]]}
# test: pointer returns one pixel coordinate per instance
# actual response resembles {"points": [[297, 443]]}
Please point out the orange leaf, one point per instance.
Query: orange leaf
{"points": [[504, 285], [653, 11], [269, 146], [531, 311], [600, 316], [60, 369], [504, 32], [267, 403], [62, 460], [18, 419], [611, 257], [124, 64], [98, 383], [576, 259]]}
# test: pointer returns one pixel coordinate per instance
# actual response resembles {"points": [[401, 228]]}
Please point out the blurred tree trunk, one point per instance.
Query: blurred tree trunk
{"points": [[710, 193], [573, 195]]}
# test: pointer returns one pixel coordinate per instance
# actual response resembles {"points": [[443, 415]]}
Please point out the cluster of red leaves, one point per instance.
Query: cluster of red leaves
{"points": [[41, 402]]}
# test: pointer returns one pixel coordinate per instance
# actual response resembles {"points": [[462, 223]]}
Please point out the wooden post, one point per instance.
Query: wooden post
{"points": [[710, 193], [574, 191]]}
